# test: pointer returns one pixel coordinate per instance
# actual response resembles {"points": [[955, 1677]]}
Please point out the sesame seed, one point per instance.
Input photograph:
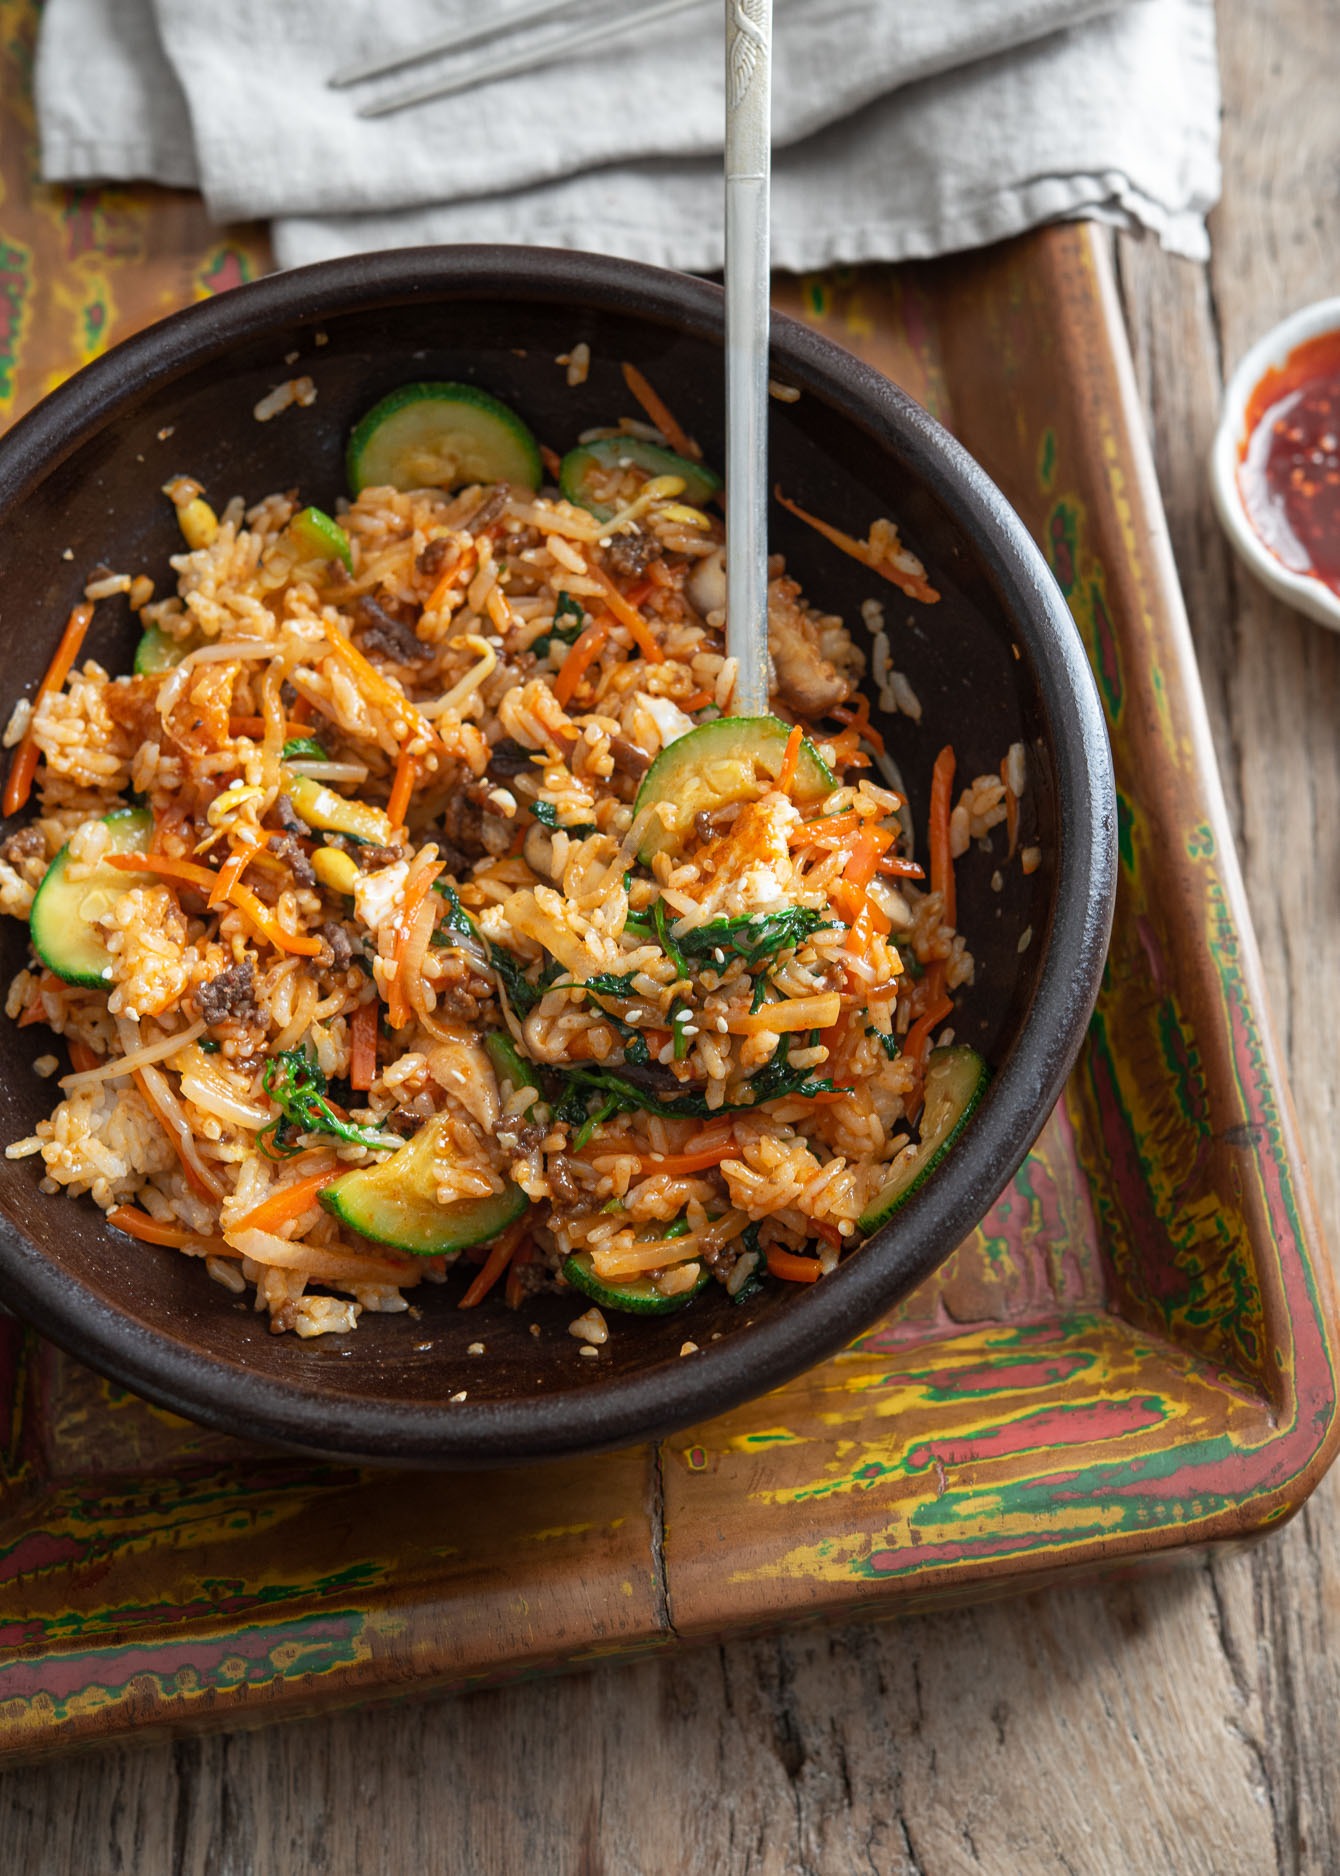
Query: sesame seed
{"points": [[586, 1349], [460, 1396], [689, 1348], [475, 1348]]}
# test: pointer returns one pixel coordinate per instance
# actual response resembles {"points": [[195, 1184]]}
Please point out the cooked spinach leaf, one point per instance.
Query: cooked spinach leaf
{"points": [[770, 1084], [297, 1086], [304, 749], [567, 608], [755, 936], [667, 943], [521, 993], [547, 815]]}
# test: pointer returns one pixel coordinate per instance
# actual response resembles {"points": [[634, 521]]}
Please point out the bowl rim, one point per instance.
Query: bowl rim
{"points": [[815, 1325], [1302, 591]]}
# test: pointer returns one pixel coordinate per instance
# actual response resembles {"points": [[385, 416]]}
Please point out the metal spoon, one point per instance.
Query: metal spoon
{"points": [[748, 161]]}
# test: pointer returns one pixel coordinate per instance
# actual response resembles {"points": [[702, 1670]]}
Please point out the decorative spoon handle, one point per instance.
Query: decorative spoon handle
{"points": [[748, 161]]}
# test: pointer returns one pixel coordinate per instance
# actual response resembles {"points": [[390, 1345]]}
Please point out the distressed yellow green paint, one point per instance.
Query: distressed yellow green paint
{"points": [[1084, 583], [15, 314], [1131, 1353], [225, 266]]}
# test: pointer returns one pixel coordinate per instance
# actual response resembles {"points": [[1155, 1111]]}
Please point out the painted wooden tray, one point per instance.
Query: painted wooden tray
{"points": [[1132, 1356]]}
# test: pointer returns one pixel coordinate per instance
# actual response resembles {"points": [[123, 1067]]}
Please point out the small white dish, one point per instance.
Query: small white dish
{"points": [[1303, 591]]}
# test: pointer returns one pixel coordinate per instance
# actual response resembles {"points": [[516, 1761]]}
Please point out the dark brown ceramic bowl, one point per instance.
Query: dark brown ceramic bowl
{"points": [[997, 661]]}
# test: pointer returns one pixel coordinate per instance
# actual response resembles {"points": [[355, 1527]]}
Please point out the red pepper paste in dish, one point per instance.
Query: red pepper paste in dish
{"points": [[1289, 472]]}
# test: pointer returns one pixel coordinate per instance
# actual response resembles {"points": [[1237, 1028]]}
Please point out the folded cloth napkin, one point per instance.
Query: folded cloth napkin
{"points": [[900, 130]]}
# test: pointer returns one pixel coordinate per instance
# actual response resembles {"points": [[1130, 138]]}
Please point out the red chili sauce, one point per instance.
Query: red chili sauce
{"points": [[1289, 468]]}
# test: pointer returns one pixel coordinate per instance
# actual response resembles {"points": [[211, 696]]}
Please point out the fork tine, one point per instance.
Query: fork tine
{"points": [[450, 42], [508, 67]]}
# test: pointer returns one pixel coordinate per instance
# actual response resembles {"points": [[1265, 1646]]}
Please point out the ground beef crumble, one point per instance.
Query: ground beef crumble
{"points": [[25, 845], [631, 554], [341, 946], [289, 848], [389, 632], [229, 997]]}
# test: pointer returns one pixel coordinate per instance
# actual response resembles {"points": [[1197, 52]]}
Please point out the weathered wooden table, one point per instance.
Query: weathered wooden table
{"points": [[1185, 1723]]}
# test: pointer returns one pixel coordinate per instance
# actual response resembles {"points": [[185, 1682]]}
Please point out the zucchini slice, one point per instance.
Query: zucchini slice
{"points": [[638, 1297], [442, 436], [156, 653], [597, 466], [507, 1062], [64, 919], [317, 537], [322, 807], [955, 1083], [396, 1202], [729, 759]]}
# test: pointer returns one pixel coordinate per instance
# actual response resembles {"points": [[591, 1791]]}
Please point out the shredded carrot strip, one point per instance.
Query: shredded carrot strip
{"points": [[552, 461], [677, 1164], [287, 1204], [910, 583], [586, 649], [627, 615], [499, 1257], [402, 788], [513, 1294], [829, 830], [397, 1002], [232, 870], [199, 1180], [138, 1224], [847, 751], [869, 844], [363, 1047], [448, 580], [675, 435], [865, 916], [793, 1269], [942, 861], [375, 689], [1011, 807], [791, 760], [23, 766], [202, 877], [696, 700], [828, 1232], [255, 726], [859, 720], [33, 1011], [82, 1058], [871, 922], [916, 1042], [900, 869], [205, 880]]}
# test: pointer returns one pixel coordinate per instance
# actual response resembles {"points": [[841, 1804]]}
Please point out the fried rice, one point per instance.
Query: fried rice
{"points": [[716, 1054]]}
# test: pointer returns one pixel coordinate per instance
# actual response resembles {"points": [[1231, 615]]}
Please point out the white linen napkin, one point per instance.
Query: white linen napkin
{"points": [[901, 129]]}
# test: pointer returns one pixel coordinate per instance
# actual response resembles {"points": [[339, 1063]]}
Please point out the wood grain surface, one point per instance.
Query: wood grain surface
{"points": [[1185, 1723]]}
